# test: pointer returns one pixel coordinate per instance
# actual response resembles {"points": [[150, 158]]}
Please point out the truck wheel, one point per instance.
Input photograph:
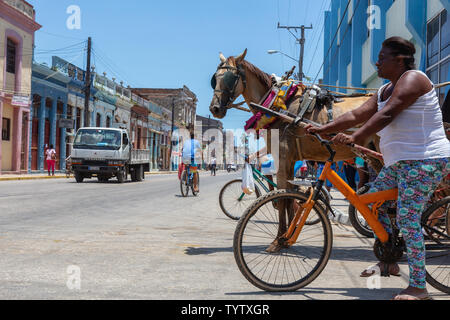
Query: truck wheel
{"points": [[139, 172], [121, 176], [133, 174], [78, 177]]}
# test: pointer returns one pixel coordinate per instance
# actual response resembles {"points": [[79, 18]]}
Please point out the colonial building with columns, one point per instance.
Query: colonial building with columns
{"points": [[49, 106], [17, 28]]}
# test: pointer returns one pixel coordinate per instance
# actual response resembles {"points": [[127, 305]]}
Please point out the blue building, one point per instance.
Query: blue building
{"points": [[350, 52], [49, 90]]}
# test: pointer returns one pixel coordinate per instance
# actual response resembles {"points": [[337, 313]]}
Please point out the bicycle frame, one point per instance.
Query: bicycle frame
{"points": [[360, 202]]}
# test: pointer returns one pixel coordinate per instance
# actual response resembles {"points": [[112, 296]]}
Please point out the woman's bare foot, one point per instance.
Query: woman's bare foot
{"points": [[412, 293]]}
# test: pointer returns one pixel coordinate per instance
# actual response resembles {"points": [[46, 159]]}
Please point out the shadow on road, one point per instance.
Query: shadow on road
{"points": [[356, 293], [337, 253]]}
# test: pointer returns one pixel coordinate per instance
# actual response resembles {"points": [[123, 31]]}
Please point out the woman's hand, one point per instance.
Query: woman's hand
{"points": [[310, 129], [342, 138], [313, 129]]}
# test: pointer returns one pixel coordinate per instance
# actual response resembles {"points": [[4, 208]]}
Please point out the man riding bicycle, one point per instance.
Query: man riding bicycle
{"points": [[191, 152]]}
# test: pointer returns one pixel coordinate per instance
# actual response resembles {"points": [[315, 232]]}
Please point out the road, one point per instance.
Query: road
{"points": [[63, 240]]}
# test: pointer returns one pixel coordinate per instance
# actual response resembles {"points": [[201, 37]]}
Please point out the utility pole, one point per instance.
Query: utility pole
{"points": [[87, 89], [171, 133], [300, 40]]}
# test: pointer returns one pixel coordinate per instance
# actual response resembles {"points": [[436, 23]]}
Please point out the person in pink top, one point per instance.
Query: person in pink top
{"points": [[51, 159]]}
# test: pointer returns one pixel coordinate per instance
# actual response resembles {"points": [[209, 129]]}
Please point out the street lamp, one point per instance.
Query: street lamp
{"points": [[284, 54]]}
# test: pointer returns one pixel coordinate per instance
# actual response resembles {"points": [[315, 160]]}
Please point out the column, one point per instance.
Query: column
{"points": [[152, 164], [62, 147], [27, 152], [53, 126], [155, 151], [41, 133], [30, 133], [1, 123], [17, 139]]}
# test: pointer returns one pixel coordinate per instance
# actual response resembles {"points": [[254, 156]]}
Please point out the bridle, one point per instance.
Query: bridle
{"points": [[230, 79]]}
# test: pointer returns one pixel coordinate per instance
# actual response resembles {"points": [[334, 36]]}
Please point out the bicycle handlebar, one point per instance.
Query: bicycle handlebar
{"points": [[328, 143]]}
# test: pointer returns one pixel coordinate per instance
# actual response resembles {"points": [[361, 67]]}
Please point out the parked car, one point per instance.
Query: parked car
{"points": [[231, 167]]}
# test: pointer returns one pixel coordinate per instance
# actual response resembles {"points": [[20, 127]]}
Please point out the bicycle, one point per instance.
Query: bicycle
{"points": [[187, 181], [233, 201], [69, 167], [278, 255]]}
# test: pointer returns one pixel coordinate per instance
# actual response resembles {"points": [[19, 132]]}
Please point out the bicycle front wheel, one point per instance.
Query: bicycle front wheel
{"points": [[291, 267], [233, 201], [436, 225]]}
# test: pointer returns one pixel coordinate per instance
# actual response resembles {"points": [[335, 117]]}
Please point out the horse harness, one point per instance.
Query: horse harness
{"points": [[230, 79]]}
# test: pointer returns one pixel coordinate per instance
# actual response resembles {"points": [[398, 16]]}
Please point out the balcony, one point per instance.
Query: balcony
{"points": [[22, 6]]}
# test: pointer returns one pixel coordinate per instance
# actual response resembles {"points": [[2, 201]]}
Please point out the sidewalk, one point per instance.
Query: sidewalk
{"points": [[36, 176]]}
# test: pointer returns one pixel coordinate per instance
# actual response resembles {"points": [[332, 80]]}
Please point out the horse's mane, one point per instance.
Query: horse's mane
{"points": [[265, 78]]}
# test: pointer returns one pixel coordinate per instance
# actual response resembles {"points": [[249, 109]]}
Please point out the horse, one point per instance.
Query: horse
{"points": [[235, 77]]}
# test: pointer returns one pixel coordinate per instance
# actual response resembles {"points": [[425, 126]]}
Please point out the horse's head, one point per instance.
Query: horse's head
{"points": [[228, 82]]}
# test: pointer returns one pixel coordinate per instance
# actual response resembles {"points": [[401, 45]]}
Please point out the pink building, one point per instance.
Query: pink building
{"points": [[17, 28]]}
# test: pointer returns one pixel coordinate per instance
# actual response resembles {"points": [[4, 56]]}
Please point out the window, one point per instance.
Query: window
{"points": [[438, 51], [98, 120], [11, 56], [6, 129]]}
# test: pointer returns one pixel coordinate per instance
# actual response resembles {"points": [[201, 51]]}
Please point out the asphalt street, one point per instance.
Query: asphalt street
{"points": [[63, 240]]}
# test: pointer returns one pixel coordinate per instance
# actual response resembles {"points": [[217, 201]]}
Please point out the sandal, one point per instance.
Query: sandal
{"points": [[384, 269]]}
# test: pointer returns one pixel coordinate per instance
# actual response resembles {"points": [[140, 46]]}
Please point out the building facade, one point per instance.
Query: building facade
{"points": [[212, 135], [178, 111], [349, 59], [49, 91], [17, 28]]}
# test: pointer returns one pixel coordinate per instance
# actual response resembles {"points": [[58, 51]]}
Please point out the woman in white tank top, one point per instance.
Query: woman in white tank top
{"points": [[405, 113]]}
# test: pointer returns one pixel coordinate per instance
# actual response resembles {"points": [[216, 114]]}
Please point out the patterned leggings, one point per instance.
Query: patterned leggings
{"points": [[416, 181]]}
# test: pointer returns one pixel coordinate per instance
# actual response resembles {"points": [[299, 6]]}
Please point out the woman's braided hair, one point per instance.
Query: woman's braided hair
{"points": [[402, 48]]}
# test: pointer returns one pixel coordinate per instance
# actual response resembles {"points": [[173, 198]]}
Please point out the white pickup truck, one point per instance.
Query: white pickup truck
{"points": [[107, 153]]}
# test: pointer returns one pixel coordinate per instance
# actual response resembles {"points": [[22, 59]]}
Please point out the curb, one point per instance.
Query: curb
{"points": [[43, 177]]}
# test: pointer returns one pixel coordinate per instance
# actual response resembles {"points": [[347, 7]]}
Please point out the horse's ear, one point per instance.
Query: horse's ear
{"points": [[222, 57], [241, 57]]}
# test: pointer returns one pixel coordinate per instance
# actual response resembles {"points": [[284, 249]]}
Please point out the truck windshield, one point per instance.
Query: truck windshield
{"points": [[97, 139]]}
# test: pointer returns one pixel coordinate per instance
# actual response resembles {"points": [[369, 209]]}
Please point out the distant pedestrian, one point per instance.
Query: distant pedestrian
{"points": [[51, 159], [213, 165]]}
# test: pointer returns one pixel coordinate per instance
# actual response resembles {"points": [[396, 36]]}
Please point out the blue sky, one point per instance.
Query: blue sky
{"points": [[168, 44]]}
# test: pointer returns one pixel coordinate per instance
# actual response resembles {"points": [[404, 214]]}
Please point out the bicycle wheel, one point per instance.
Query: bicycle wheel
{"points": [[357, 220], [291, 268], [233, 201], [436, 225], [184, 184]]}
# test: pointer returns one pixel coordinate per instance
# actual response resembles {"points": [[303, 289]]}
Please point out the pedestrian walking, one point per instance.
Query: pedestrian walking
{"points": [[51, 159]]}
